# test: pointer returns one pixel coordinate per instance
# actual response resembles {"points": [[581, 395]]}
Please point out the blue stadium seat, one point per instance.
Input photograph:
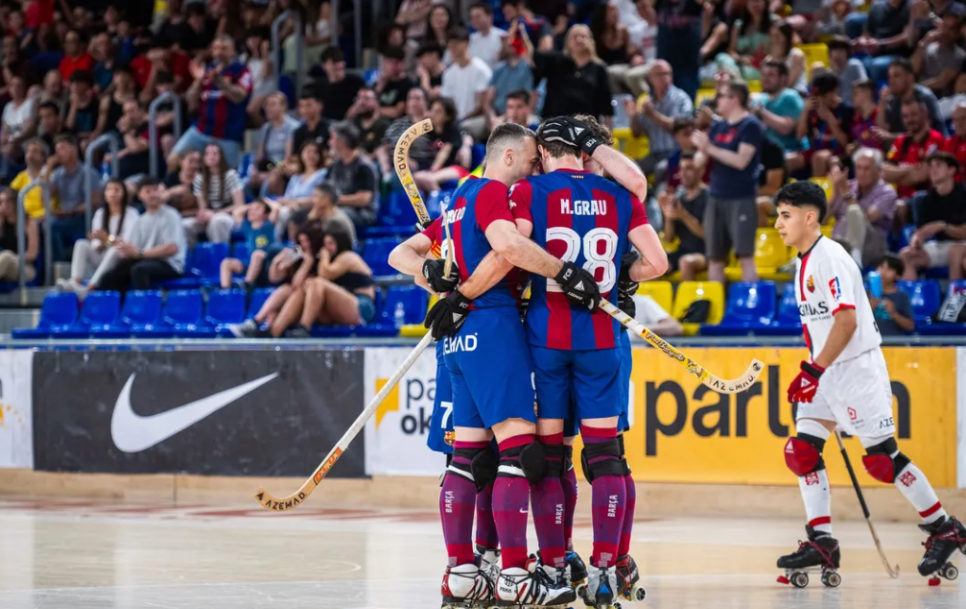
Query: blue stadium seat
{"points": [[478, 153], [141, 312], [927, 328], [788, 321], [396, 210], [225, 307], [331, 331], [57, 313], [925, 296], [258, 299], [203, 267], [182, 314], [750, 306], [99, 311], [240, 252], [414, 300], [436, 200], [376, 255]]}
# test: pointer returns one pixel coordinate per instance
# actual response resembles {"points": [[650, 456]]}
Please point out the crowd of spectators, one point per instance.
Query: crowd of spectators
{"points": [[727, 93]]}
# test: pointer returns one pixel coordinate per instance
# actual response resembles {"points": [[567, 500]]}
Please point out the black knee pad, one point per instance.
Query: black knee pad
{"points": [[555, 460], [627, 467], [528, 461], [612, 465], [484, 466]]}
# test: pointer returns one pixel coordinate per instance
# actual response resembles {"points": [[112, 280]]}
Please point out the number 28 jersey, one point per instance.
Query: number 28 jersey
{"points": [[583, 218]]}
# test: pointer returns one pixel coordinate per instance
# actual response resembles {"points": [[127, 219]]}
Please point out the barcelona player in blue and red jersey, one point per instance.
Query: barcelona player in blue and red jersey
{"points": [[592, 222], [486, 352], [221, 89]]}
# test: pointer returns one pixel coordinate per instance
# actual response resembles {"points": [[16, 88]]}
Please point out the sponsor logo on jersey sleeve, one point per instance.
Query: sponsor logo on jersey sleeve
{"points": [[835, 288]]}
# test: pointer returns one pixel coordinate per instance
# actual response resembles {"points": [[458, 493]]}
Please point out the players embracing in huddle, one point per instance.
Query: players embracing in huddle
{"points": [[571, 351]]}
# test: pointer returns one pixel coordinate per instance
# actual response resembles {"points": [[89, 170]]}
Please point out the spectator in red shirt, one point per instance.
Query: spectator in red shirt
{"points": [[76, 56], [865, 116], [907, 167], [956, 144], [160, 58], [38, 13]]}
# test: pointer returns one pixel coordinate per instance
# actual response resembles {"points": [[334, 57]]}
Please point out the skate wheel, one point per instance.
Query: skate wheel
{"points": [[949, 571], [640, 593], [934, 581], [783, 580], [800, 579], [831, 579]]}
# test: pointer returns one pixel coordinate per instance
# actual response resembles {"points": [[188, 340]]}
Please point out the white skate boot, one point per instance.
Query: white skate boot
{"points": [[601, 590], [531, 587], [490, 563], [466, 586]]}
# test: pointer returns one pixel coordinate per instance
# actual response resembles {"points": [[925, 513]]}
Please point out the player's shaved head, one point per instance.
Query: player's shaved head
{"points": [[511, 153]]}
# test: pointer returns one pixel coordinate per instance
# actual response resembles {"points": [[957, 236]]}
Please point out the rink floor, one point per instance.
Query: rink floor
{"points": [[80, 554]]}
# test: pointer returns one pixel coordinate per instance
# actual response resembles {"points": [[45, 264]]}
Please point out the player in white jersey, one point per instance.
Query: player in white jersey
{"points": [[844, 383]]}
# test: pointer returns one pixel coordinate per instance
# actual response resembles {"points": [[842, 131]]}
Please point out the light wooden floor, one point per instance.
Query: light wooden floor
{"points": [[86, 554]]}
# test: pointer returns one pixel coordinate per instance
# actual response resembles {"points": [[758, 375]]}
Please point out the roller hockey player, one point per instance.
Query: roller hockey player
{"points": [[844, 383]]}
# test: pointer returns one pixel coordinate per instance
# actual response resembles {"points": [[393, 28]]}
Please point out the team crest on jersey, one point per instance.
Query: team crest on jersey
{"points": [[810, 283], [835, 288], [449, 437], [852, 414]]}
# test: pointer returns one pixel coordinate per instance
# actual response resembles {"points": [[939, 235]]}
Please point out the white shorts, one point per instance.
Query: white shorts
{"points": [[938, 252], [857, 395]]}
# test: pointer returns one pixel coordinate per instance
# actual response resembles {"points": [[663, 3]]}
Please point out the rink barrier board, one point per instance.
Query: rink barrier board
{"points": [[682, 434]]}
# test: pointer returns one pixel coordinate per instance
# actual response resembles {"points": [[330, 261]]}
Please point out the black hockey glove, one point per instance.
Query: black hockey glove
{"points": [[625, 302], [626, 285], [570, 131], [433, 271], [579, 286], [448, 315]]}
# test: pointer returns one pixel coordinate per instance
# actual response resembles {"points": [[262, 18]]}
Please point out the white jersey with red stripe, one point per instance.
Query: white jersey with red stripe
{"points": [[828, 281]]}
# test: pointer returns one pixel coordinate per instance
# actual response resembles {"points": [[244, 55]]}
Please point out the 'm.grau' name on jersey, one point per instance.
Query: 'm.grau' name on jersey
{"points": [[583, 208]]}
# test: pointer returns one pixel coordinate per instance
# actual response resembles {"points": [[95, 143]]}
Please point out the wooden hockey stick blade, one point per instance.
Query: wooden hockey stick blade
{"points": [[280, 504], [892, 571], [400, 158], [720, 385]]}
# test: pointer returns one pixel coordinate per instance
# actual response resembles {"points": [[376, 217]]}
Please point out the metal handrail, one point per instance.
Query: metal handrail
{"points": [[22, 235], [299, 49], [170, 96], [111, 140]]}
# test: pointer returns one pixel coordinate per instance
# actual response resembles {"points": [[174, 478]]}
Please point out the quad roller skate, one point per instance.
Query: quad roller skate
{"points": [[466, 587], [945, 537], [627, 578], [577, 569], [489, 562], [820, 554], [532, 588], [601, 589]]}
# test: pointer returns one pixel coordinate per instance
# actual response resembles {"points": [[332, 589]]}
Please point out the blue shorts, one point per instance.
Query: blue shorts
{"points": [[367, 308], [441, 424], [489, 366], [578, 384]]}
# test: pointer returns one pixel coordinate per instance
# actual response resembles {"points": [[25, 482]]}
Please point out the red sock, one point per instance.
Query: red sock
{"points": [[609, 499], [486, 537], [511, 499], [457, 505], [547, 502], [628, 527]]}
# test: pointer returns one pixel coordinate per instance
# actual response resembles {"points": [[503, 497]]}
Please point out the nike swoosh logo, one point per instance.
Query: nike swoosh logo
{"points": [[133, 433]]}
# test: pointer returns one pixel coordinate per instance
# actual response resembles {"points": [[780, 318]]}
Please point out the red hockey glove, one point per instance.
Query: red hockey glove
{"points": [[805, 385]]}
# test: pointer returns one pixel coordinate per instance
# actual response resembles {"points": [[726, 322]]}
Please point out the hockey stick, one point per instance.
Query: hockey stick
{"points": [[401, 159], [401, 154], [720, 385], [893, 572], [270, 502]]}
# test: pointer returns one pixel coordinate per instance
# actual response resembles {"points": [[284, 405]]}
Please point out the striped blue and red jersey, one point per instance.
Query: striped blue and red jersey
{"points": [[218, 116], [479, 203], [582, 218]]}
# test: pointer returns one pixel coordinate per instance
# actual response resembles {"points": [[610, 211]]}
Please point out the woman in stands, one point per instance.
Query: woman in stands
{"points": [[9, 264], [95, 255], [624, 64], [438, 23], [750, 41], [307, 171], [218, 191], [453, 151], [342, 293], [123, 88], [291, 268], [783, 49], [19, 121]]}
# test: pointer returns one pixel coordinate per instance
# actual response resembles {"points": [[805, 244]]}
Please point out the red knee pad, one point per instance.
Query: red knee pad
{"points": [[801, 457], [880, 467]]}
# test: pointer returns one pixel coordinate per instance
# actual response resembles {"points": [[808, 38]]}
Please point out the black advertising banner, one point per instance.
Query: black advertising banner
{"points": [[244, 413]]}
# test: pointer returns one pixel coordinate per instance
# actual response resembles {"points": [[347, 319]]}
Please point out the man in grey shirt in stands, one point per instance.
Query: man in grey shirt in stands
{"points": [[68, 186], [655, 118], [156, 251]]}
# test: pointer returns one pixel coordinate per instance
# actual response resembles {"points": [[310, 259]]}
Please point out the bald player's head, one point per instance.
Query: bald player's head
{"points": [[511, 150]]}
